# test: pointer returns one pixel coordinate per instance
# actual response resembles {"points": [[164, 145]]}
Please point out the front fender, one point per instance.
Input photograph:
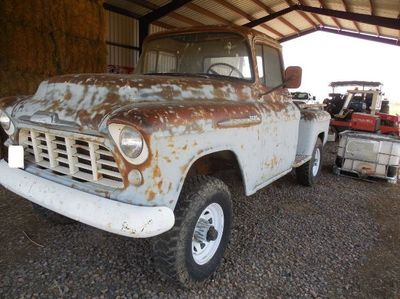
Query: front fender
{"points": [[8, 104], [172, 157], [177, 134]]}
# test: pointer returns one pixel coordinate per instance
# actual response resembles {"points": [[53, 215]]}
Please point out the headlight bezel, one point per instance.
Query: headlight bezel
{"points": [[115, 133], [131, 142], [3, 116], [9, 128]]}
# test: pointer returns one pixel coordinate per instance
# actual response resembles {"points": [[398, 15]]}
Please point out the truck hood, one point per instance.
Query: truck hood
{"points": [[85, 101]]}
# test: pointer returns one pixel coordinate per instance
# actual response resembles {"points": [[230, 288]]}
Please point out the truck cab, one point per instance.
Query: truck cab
{"points": [[303, 98]]}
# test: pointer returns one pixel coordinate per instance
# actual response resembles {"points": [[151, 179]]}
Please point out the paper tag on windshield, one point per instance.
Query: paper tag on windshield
{"points": [[16, 156]]}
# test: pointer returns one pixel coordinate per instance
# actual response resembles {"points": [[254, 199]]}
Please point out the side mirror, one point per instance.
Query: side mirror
{"points": [[314, 98], [293, 76]]}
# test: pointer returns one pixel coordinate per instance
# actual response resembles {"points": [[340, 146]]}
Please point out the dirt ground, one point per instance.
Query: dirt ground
{"points": [[338, 239]]}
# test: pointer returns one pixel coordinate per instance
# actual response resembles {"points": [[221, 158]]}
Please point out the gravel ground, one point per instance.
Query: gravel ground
{"points": [[338, 239]]}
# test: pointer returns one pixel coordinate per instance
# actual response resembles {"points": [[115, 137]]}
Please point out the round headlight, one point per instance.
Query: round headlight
{"points": [[5, 121], [131, 142]]}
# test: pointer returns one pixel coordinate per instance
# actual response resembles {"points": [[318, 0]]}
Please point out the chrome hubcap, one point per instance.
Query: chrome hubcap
{"points": [[207, 233]]}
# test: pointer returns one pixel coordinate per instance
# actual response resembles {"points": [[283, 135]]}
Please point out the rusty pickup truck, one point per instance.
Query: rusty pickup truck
{"points": [[141, 155]]}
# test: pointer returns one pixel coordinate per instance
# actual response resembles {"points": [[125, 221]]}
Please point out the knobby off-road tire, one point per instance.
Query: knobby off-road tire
{"points": [[307, 174], [3, 138], [51, 216], [204, 203]]}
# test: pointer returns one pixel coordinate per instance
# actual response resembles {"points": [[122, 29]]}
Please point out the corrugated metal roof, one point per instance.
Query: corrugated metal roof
{"points": [[295, 23], [194, 15]]}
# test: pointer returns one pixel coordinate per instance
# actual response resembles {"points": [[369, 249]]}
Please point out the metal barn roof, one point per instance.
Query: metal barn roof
{"points": [[377, 20]]}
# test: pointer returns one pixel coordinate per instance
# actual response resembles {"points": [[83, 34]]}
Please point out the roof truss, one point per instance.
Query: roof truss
{"points": [[351, 16], [349, 33], [164, 10], [310, 15]]}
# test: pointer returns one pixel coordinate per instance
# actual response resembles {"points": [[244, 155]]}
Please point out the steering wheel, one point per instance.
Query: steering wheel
{"points": [[231, 67]]}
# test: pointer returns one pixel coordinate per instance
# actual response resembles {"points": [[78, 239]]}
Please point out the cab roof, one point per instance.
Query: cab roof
{"points": [[244, 31]]}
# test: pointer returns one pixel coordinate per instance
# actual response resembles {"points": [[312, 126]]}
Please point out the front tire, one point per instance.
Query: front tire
{"points": [[308, 173], [3, 151], [193, 249]]}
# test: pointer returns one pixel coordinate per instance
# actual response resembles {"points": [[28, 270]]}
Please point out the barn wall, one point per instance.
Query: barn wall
{"points": [[122, 39], [122, 43], [40, 38]]}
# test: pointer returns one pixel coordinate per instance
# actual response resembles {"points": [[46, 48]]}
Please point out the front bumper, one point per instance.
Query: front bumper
{"points": [[109, 215]]}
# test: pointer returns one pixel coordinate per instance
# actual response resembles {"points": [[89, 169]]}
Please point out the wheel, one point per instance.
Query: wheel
{"points": [[51, 216], [3, 138], [307, 174], [193, 249], [2, 151]]}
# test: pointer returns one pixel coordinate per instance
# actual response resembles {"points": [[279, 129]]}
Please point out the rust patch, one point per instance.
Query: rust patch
{"points": [[183, 169], [156, 172], [274, 162], [314, 115], [168, 160], [188, 114], [150, 194]]}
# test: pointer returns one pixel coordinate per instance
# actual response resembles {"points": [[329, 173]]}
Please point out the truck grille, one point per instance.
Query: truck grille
{"points": [[83, 160]]}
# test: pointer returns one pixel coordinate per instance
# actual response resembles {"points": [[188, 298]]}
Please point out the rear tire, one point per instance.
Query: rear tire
{"points": [[307, 174], [51, 216], [193, 249]]}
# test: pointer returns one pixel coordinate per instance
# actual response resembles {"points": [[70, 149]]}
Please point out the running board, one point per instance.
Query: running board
{"points": [[300, 160]]}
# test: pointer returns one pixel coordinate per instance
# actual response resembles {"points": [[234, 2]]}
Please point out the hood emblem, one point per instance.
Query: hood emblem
{"points": [[44, 117]]}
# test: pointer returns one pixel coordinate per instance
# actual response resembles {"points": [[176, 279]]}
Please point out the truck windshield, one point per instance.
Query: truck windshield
{"points": [[212, 54]]}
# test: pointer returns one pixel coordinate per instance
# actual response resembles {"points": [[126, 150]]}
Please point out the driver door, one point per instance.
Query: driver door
{"points": [[281, 117]]}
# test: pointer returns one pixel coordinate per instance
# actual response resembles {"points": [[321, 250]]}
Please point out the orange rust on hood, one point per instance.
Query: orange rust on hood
{"points": [[164, 116], [102, 94]]}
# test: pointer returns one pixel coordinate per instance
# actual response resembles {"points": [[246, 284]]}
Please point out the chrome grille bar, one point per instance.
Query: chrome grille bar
{"points": [[81, 159]]}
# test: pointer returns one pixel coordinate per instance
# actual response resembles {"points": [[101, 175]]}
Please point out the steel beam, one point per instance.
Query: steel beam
{"points": [[143, 32], [354, 34], [372, 38], [302, 33], [120, 10], [352, 16], [144, 3], [363, 18], [164, 10], [271, 16]]}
